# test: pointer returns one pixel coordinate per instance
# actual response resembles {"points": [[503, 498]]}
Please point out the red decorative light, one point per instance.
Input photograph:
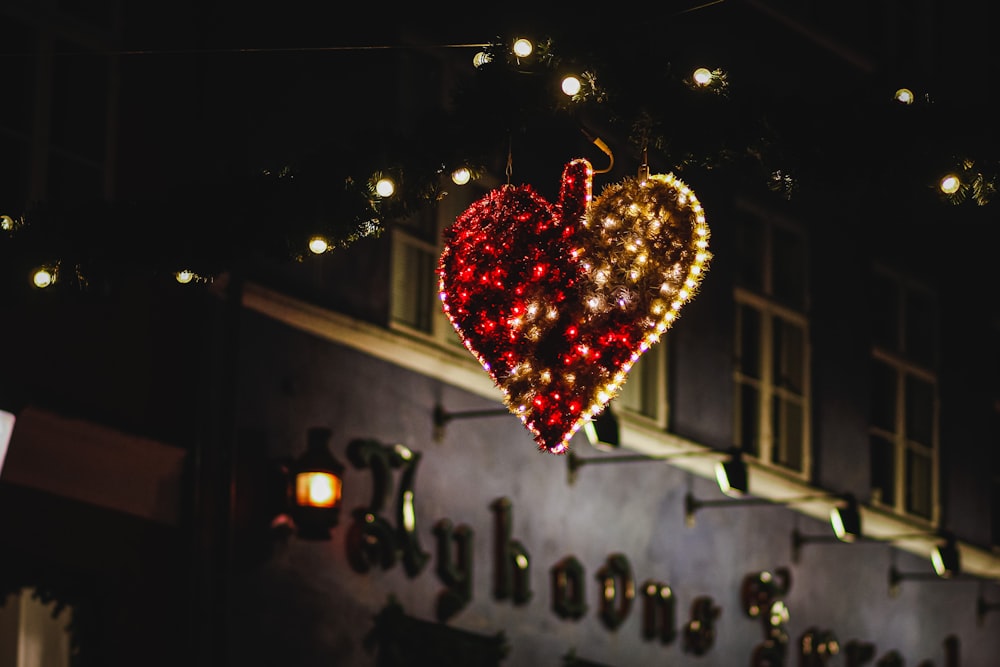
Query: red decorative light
{"points": [[586, 288]]}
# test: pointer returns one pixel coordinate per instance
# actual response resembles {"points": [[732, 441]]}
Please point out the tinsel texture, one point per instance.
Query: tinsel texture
{"points": [[558, 301]]}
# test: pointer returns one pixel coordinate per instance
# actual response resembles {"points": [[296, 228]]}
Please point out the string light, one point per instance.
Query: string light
{"points": [[184, 276], [571, 85], [523, 47], [904, 96], [43, 276], [385, 187], [461, 176], [950, 184], [702, 76], [6, 223], [318, 245]]}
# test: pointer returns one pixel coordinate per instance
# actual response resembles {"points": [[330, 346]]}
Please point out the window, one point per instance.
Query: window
{"points": [[903, 423], [644, 392], [416, 246], [771, 375]]}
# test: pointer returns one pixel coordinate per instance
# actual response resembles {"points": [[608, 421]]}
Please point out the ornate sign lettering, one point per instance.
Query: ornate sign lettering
{"points": [[617, 590], [371, 539], [511, 568], [454, 572]]}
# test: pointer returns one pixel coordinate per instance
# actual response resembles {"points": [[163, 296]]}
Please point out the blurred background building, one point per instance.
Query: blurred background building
{"points": [[168, 166]]}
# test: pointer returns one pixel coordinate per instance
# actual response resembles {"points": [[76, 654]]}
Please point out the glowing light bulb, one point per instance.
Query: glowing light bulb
{"points": [[184, 276], [702, 76], [571, 85], [523, 47], [461, 176], [385, 187], [904, 96], [43, 277], [318, 245], [6, 223], [950, 184]]}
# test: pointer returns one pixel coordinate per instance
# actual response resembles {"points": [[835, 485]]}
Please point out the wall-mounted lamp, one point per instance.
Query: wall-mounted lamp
{"points": [[845, 519], [945, 559], [315, 483], [602, 431]]}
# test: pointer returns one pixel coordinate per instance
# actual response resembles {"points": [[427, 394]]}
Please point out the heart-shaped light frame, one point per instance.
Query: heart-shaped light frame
{"points": [[559, 301]]}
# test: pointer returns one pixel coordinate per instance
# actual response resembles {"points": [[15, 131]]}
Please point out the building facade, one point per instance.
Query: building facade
{"points": [[844, 342]]}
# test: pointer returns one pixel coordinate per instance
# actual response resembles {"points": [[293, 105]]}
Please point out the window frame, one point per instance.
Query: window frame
{"points": [[766, 385], [902, 367], [769, 309]]}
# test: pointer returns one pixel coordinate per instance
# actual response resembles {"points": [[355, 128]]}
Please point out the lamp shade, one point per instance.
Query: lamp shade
{"points": [[946, 559], [317, 486], [602, 430], [732, 476], [846, 520]]}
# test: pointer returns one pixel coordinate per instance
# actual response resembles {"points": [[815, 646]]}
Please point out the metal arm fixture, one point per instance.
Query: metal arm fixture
{"points": [[692, 504], [602, 430], [441, 418], [574, 462], [984, 607], [945, 559]]}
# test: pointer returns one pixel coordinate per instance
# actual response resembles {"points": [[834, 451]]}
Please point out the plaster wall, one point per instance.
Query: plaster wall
{"points": [[303, 604]]}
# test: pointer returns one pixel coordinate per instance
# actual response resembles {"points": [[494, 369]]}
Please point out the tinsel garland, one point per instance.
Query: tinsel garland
{"points": [[558, 301]]}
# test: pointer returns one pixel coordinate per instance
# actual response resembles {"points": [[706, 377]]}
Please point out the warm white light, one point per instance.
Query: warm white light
{"points": [[317, 489], [318, 245], [6, 223], [837, 523], [43, 277], [702, 76], [184, 276], [571, 85], [385, 187], [950, 184], [904, 96], [461, 176], [409, 516], [523, 48]]}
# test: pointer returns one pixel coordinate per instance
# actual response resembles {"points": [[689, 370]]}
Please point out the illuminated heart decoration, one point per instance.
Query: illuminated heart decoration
{"points": [[558, 301]]}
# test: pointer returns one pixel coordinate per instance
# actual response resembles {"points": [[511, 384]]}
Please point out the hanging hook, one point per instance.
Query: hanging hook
{"points": [[510, 159], [644, 167], [597, 141]]}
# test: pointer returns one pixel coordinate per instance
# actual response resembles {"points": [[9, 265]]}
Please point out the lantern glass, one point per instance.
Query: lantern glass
{"points": [[317, 489]]}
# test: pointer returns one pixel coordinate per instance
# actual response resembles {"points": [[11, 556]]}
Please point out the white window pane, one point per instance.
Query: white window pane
{"points": [[641, 392], [749, 331], [787, 425], [413, 283], [919, 487], [789, 356], [919, 410]]}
